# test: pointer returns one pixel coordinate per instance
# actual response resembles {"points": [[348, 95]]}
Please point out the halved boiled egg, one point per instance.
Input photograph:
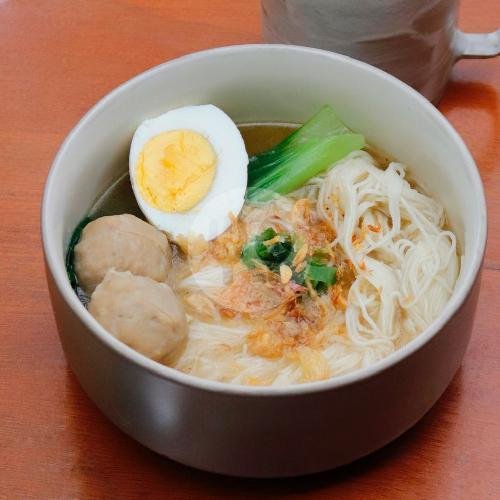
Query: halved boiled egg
{"points": [[188, 169]]}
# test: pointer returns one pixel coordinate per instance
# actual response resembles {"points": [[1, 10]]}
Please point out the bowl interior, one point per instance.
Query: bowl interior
{"points": [[268, 83]]}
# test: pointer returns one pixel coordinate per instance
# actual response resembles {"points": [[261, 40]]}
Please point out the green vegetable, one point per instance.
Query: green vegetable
{"points": [[249, 254], [319, 276], [323, 124], [70, 255], [320, 273], [267, 234], [317, 273], [321, 141], [271, 255], [276, 253]]}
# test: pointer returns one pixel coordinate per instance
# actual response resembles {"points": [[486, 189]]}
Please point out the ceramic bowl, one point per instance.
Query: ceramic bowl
{"points": [[265, 431]]}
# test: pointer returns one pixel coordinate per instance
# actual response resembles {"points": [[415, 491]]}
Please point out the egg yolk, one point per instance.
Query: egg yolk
{"points": [[175, 170]]}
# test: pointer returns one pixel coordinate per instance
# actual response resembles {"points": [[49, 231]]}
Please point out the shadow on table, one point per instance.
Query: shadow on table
{"points": [[107, 461]]}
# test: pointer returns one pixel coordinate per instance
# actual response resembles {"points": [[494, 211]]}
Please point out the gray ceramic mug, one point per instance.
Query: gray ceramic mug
{"points": [[417, 41]]}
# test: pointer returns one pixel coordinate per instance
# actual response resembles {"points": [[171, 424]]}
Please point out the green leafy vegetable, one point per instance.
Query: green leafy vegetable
{"points": [[70, 255], [267, 234], [273, 249], [319, 276], [249, 254], [320, 272], [275, 254], [323, 124], [270, 254], [251, 250], [321, 141]]}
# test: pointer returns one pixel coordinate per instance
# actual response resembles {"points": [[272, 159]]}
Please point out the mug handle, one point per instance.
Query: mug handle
{"points": [[476, 45]]}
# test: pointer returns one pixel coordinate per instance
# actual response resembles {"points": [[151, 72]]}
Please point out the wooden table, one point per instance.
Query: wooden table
{"points": [[57, 57]]}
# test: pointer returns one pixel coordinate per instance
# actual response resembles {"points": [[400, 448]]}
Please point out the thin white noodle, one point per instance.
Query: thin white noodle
{"points": [[406, 269]]}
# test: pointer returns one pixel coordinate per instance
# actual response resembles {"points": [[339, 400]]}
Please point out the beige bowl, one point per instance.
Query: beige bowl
{"points": [[253, 431]]}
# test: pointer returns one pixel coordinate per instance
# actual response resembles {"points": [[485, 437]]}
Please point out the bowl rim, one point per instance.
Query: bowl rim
{"points": [[173, 375]]}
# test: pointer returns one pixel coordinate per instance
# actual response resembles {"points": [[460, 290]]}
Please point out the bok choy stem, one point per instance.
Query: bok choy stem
{"points": [[312, 148]]}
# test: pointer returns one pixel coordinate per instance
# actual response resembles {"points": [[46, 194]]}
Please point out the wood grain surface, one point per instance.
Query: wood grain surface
{"points": [[57, 57]]}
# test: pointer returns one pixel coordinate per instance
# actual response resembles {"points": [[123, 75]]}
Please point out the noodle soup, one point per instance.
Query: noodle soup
{"points": [[323, 280]]}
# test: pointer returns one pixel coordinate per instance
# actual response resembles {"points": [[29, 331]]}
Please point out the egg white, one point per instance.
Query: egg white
{"points": [[210, 217]]}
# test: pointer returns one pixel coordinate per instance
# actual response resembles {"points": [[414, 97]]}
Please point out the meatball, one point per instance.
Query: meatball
{"points": [[142, 313], [125, 243]]}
